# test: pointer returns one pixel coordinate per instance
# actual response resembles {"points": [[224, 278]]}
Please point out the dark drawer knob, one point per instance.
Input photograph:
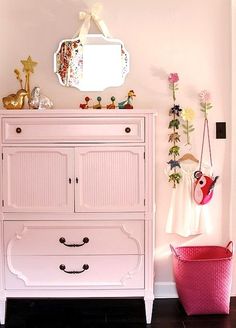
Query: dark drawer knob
{"points": [[127, 130], [18, 130], [62, 240], [84, 267]]}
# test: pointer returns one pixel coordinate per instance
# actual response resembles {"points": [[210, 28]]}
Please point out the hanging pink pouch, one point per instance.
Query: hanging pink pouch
{"points": [[203, 188], [204, 185]]}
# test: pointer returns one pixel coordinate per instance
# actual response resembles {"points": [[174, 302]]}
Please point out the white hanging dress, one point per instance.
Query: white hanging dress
{"points": [[185, 217]]}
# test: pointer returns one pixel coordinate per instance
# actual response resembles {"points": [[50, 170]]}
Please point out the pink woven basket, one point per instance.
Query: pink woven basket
{"points": [[203, 277]]}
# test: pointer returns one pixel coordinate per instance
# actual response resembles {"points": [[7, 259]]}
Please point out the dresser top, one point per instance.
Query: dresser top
{"points": [[77, 112]]}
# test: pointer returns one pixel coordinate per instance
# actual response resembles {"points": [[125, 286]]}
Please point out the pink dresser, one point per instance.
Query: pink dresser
{"points": [[77, 209]]}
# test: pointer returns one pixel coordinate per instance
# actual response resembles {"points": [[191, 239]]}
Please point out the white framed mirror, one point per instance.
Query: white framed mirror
{"points": [[98, 64]]}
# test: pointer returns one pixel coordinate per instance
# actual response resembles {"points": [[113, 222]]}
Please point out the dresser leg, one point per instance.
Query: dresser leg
{"points": [[2, 310], [148, 309]]}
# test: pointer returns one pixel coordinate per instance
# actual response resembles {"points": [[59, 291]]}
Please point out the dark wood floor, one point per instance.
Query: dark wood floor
{"points": [[112, 313]]}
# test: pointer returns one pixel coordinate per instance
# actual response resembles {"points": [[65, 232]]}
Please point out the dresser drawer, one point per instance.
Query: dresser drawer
{"points": [[48, 130], [88, 272], [73, 238]]}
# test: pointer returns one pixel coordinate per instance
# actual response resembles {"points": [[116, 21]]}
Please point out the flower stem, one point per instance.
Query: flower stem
{"points": [[173, 88], [188, 139], [205, 110]]}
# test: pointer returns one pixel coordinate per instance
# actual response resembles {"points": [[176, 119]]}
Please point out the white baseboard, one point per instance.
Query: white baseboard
{"points": [[165, 290], [168, 290]]}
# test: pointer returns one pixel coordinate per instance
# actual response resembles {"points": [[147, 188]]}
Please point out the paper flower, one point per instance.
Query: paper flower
{"points": [[173, 78], [188, 114], [204, 96], [205, 104]]}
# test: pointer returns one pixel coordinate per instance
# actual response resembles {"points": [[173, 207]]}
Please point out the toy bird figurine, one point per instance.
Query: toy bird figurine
{"points": [[127, 104], [112, 104], [85, 105], [15, 101], [98, 105]]}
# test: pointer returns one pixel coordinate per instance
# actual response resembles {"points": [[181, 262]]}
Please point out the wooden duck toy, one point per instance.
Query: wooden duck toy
{"points": [[127, 104], [15, 100], [85, 106], [98, 105], [112, 105]]}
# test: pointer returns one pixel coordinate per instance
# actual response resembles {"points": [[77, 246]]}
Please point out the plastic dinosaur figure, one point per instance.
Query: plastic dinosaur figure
{"points": [[174, 123], [175, 110], [174, 137], [174, 150], [173, 164]]}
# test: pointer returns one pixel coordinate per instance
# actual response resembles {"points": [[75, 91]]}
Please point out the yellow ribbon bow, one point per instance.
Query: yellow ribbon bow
{"points": [[86, 17]]}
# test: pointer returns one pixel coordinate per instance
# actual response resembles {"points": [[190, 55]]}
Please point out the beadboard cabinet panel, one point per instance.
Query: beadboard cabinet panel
{"points": [[109, 179], [38, 179], [43, 179]]}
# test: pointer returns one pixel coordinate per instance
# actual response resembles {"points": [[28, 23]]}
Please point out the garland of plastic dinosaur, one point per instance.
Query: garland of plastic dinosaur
{"points": [[174, 136]]}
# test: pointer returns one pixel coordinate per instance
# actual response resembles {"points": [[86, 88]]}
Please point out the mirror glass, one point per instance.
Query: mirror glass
{"points": [[100, 63]]}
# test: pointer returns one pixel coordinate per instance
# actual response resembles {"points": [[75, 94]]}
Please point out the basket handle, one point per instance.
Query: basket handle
{"points": [[173, 251], [230, 244]]}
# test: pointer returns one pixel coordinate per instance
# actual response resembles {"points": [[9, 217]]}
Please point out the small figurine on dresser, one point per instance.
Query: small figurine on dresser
{"points": [[85, 105], [98, 105], [15, 100], [127, 104], [39, 101], [112, 104]]}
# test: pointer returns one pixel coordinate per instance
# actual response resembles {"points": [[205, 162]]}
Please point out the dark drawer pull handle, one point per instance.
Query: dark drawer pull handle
{"points": [[127, 130], [63, 241], [18, 130], [63, 268]]}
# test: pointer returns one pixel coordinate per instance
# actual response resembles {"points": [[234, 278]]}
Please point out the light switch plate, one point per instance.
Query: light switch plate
{"points": [[220, 130]]}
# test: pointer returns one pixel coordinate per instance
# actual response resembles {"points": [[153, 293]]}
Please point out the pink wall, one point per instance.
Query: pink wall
{"points": [[233, 129], [185, 36]]}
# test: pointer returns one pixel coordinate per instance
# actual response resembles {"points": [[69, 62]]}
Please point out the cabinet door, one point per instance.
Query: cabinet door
{"points": [[109, 179], [38, 179]]}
